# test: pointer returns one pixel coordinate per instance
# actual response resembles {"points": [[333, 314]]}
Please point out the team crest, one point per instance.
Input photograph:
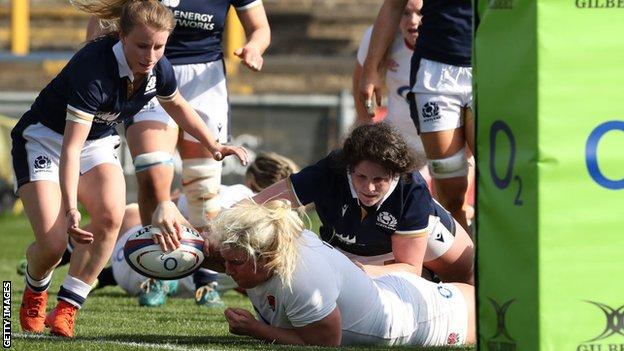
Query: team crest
{"points": [[452, 339], [271, 301], [42, 164], [151, 85], [386, 220], [392, 65], [431, 111]]}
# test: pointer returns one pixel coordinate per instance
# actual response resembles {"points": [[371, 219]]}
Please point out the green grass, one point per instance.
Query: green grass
{"points": [[110, 320]]}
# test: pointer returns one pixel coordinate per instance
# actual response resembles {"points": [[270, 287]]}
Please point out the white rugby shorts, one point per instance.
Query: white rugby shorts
{"points": [[39, 157], [440, 93], [203, 85]]}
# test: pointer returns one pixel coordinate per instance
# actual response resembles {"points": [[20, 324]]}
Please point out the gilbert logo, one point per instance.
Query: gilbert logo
{"points": [[614, 319], [599, 4], [614, 325], [501, 340]]}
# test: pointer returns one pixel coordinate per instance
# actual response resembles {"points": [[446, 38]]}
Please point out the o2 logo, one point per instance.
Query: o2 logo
{"points": [[502, 183], [591, 160]]}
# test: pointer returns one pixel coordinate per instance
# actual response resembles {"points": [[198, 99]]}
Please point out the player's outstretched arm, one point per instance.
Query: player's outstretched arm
{"points": [[326, 332], [73, 140], [279, 191], [188, 119]]}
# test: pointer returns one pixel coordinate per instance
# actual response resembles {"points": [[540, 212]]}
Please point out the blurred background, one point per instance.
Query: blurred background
{"points": [[299, 105]]}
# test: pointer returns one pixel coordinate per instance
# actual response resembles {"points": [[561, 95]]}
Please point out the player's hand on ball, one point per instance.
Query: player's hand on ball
{"points": [[210, 245], [81, 236], [226, 150], [169, 220], [241, 321], [250, 56]]}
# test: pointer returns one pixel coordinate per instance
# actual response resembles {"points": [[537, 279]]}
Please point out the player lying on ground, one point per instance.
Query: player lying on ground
{"points": [[306, 292], [376, 208]]}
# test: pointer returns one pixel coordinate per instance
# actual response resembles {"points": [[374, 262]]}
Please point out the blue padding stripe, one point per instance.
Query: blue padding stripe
{"points": [[70, 296], [144, 167]]}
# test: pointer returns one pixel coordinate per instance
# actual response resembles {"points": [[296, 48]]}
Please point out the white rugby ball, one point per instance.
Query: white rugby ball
{"points": [[148, 259]]}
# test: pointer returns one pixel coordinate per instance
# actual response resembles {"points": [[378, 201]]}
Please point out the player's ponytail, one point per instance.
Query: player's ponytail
{"points": [[267, 232], [282, 254], [267, 169], [124, 15]]}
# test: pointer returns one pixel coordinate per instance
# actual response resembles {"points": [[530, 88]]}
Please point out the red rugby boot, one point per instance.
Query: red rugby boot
{"points": [[61, 319], [32, 311]]}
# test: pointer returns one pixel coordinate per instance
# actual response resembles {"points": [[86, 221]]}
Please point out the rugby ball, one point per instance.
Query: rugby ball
{"points": [[148, 259]]}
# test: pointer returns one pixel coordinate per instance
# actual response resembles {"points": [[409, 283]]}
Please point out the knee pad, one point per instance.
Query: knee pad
{"points": [[148, 160], [201, 179], [451, 167]]}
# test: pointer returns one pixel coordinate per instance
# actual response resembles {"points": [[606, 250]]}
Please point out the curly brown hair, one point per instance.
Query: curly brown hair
{"points": [[378, 143]]}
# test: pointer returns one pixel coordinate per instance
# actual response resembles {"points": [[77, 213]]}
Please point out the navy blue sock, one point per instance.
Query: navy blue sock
{"points": [[203, 277]]}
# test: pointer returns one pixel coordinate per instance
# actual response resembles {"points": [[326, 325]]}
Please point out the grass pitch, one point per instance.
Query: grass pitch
{"points": [[110, 320]]}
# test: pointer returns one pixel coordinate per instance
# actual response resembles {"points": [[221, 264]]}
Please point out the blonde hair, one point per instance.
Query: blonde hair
{"points": [[123, 15], [267, 169], [270, 231]]}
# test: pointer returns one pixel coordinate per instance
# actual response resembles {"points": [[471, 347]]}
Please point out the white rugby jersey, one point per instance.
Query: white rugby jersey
{"points": [[394, 309], [398, 64]]}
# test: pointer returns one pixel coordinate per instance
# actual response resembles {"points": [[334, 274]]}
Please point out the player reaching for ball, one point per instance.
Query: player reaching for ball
{"points": [[305, 292], [68, 137], [204, 285]]}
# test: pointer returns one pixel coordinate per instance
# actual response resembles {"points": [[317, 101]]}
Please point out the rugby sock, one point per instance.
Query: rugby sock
{"points": [[74, 291], [203, 277], [38, 286], [106, 278]]}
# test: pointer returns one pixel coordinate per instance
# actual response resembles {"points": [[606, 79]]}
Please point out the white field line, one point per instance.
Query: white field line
{"points": [[171, 347]]}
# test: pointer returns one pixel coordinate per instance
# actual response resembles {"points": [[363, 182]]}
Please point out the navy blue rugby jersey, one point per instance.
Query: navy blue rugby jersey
{"points": [[445, 34], [405, 209], [94, 86], [199, 28]]}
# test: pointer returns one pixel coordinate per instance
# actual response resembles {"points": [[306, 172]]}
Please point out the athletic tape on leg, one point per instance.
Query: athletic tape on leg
{"points": [[201, 179], [148, 160], [451, 167]]}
